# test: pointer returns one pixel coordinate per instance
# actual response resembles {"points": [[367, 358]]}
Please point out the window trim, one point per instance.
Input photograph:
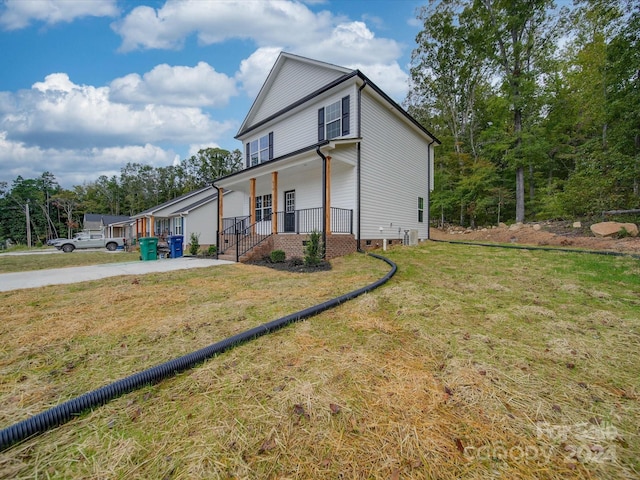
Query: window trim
{"points": [[342, 119], [420, 209], [254, 150], [263, 207]]}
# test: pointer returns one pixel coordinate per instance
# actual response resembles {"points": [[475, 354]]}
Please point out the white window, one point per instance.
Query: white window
{"points": [[263, 207], [177, 226], [259, 150], [333, 120]]}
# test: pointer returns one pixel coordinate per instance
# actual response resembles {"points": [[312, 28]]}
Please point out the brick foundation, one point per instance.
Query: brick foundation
{"points": [[292, 245]]}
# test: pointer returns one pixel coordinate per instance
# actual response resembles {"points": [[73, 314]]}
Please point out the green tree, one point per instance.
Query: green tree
{"points": [[201, 169], [521, 35]]}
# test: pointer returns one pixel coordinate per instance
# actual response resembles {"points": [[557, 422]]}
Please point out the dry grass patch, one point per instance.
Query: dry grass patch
{"points": [[34, 261], [503, 376]]}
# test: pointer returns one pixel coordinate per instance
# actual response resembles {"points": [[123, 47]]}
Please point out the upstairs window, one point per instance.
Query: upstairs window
{"points": [[259, 150], [333, 120]]}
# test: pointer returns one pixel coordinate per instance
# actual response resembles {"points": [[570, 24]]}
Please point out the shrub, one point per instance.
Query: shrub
{"points": [[194, 243], [623, 233], [212, 250], [313, 252], [277, 256]]}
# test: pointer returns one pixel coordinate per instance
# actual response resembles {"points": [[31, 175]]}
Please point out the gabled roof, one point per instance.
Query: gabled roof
{"points": [[283, 59], [152, 210], [345, 76], [195, 205], [104, 219]]}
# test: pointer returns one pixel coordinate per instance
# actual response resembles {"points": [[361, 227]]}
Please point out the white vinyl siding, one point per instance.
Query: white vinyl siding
{"points": [[201, 221], [299, 129], [394, 172], [295, 80]]}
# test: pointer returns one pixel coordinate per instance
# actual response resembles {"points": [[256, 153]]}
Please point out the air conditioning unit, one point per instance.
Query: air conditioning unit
{"points": [[413, 237]]}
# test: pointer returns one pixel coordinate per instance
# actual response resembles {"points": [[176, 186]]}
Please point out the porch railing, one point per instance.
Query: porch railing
{"points": [[239, 236]]}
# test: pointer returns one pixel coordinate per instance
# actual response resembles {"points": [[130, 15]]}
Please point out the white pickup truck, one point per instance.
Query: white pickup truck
{"points": [[90, 240]]}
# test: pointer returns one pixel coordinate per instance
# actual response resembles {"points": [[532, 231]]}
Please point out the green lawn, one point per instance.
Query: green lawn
{"points": [[41, 261], [470, 363]]}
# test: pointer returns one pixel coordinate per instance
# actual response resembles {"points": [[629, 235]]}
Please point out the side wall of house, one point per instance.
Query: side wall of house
{"points": [[394, 161], [202, 221]]}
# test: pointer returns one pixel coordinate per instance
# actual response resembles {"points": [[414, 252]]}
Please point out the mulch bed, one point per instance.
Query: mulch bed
{"points": [[293, 265]]}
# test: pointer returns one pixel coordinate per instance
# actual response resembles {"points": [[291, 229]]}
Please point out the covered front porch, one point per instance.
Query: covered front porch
{"points": [[240, 236], [310, 191]]}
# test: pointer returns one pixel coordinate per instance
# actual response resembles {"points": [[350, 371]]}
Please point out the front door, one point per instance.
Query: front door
{"points": [[290, 211]]}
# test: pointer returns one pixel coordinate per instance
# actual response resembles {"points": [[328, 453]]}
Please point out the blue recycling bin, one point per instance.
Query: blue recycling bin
{"points": [[175, 245]]}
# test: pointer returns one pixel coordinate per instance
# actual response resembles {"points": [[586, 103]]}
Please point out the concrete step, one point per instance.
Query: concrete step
{"points": [[227, 256]]}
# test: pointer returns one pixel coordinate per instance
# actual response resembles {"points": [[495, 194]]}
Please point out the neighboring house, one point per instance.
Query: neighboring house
{"points": [[327, 150], [193, 212], [107, 225]]}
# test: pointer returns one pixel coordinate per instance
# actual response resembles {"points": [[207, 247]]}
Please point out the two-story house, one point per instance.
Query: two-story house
{"points": [[327, 150]]}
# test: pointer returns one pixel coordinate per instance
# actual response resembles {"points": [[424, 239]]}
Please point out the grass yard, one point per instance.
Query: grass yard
{"points": [[470, 363], [40, 261]]}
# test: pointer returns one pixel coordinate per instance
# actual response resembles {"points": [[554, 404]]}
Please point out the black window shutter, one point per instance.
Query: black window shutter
{"points": [[345, 115], [248, 155], [321, 124], [270, 145]]}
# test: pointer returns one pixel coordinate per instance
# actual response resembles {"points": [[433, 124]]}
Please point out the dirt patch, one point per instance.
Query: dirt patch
{"points": [[556, 234]]}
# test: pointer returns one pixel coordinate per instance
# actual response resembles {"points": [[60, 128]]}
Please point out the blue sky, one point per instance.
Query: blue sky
{"points": [[89, 85]]}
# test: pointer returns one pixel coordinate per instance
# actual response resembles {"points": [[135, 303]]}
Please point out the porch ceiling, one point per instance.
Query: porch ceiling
{"points": [[305, 161]]}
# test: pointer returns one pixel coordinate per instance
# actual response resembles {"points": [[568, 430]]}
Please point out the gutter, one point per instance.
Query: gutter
{"points": [[217, 218]]}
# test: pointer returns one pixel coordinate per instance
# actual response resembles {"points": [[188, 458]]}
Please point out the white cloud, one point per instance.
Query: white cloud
{"points": [[75, 167], [182, 86], [390, 78], [267, 22], [57, 113], [255, 69], [18, 14], [273, 25]]}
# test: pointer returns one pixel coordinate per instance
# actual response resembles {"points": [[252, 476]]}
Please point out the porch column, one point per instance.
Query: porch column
{"points": [[144, 227], [220, 208], [327, 207], [252, 204], [274, 203], [151, 226]]}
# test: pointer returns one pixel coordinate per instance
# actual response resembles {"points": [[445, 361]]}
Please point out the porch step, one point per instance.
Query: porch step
{"points": [[227, 256]]}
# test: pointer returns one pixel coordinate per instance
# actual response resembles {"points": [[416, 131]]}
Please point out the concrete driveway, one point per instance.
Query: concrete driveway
{"points": [[57, 276]]}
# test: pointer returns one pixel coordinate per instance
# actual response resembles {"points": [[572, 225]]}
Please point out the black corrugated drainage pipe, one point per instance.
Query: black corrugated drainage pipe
{"points": [[549, 249], [64, 412]]}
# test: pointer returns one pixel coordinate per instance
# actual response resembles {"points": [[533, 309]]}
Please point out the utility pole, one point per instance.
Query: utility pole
{"points": [[26, 207]]}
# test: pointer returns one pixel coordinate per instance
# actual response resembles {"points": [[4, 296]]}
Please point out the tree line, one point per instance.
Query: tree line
{"points": [[33, 211], [537, 107]]}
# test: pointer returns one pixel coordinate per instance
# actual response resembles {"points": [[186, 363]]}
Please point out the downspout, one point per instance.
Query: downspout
{"points": [[217, 219], [429, 173], [359, 168], [324, 199]]}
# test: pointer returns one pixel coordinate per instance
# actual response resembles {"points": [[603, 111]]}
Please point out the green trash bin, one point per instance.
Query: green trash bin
{"points": [[148, 248]]}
